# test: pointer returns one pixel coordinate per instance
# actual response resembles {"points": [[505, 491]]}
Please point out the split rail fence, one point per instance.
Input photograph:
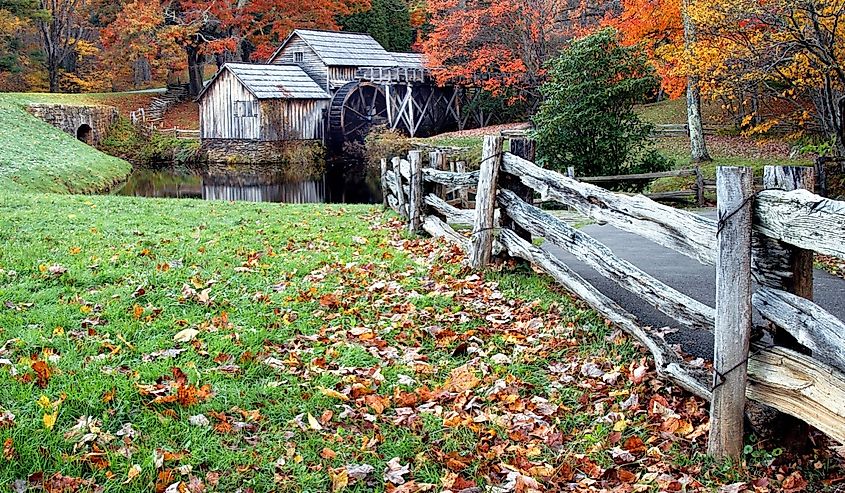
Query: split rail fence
{"points": [[764, 237]]}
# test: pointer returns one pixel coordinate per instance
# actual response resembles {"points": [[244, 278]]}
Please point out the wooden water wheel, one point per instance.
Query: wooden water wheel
{"points": [[355, 108]]}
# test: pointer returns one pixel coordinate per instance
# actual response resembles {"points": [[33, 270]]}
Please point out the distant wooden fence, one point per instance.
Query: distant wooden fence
{"points": [[179, 133], [765, 236], [695, 193]]}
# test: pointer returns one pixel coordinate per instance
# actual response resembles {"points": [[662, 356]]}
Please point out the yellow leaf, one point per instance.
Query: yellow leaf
{"points": [[50, 419], [620, 425], [340, 479], [44, 402], [315, 425], [186, 335], [133, 473], [334, 394]]}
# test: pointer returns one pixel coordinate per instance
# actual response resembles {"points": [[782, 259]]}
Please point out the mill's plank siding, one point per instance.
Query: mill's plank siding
{"points": [[293, 119], [262, 103], [219, 115], [311, 63]]}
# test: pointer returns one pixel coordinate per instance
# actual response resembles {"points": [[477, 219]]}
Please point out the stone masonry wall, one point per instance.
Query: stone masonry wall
{"points": [[232, 151], [76, 120]]}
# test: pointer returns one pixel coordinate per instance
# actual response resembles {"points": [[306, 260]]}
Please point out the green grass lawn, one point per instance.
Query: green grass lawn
{"points": [[35, 156], [296, 348]]}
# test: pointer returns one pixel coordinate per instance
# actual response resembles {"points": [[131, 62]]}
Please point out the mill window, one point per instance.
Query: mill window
{"points": [[298, 57], [246, 109]]}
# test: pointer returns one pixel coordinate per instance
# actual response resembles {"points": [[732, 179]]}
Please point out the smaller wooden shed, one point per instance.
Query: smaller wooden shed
{"points": [[265, 103]]}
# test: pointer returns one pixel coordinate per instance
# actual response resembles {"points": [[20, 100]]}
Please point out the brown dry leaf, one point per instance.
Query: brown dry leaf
{"points": [[9, 449], [42, 373], [377, 403], [462, 379], [794, 483], [328, 453]]}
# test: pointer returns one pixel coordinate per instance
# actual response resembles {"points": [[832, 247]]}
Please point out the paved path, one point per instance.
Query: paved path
{"points": [[682, 273]]}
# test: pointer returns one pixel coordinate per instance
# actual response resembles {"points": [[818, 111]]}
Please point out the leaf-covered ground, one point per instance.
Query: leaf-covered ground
{"points": [[158, 345]]}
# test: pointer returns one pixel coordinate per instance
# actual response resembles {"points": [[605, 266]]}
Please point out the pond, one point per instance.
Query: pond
{"points": [[342, 183]]}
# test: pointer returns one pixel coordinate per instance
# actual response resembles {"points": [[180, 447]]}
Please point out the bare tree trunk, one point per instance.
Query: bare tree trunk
{"points": [[698, 145], [840, 133], [196, 62]]}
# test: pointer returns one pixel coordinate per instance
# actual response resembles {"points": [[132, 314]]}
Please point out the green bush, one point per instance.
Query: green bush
{"points": [[587, 117]]}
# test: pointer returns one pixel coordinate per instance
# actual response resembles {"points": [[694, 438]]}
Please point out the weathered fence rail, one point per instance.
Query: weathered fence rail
{"points": [[762, 236]]}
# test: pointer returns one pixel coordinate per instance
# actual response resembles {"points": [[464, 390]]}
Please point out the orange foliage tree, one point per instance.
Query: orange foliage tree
{"points": [[502, 46], [658, 26], [153, 28]]}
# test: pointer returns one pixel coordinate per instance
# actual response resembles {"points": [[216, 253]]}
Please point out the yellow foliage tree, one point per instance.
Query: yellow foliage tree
{"points": [[793, 50]]}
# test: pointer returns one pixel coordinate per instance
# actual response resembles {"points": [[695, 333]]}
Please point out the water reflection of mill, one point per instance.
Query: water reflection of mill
{"points": [[260, 188]]}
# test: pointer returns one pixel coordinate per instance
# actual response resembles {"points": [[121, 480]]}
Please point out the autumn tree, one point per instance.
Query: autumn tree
{"points": [[61, 27], [794, 49], [201, 28], [14, 16], [502, 45], [668, 34]]}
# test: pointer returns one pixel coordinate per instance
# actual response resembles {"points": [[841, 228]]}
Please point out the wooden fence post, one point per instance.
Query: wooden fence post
{"points": [[385, 190], [438, 161], [787, 268], [735, 191], [699, 187], [526, 149], [400, 190], [415, 200], [821, 176], [800, 261], [481, 245], [463, 193]]}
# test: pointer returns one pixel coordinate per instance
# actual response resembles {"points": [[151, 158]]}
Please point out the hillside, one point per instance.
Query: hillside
{"points": [[35, 156]]}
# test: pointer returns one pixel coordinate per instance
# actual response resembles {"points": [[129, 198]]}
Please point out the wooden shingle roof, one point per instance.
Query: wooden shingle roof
{"points": [[345, 49], [408, 60], [274, 81]]}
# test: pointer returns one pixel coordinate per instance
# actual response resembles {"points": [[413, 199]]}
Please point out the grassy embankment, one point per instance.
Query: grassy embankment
{"points": [[37, 157], [295, 347]]}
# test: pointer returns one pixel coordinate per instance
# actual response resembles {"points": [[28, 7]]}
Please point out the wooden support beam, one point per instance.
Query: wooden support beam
{"points": [[481, 249], [733, 311]]}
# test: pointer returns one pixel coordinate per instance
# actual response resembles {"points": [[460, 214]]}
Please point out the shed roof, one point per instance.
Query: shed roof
{"points": [[273, 81]]}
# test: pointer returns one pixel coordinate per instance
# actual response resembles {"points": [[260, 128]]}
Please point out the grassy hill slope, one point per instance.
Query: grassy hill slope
{"points": [[37, 157]]}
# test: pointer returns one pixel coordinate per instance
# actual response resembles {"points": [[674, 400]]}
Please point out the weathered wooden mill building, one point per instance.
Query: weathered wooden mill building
{"points": [[325, 86]]}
